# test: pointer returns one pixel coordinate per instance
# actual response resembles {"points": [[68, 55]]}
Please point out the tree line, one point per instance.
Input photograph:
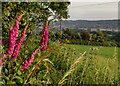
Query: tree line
{"points": [[98, 38]]}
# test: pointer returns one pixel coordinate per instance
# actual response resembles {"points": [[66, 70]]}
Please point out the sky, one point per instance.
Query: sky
{"points": [[93, 9]]}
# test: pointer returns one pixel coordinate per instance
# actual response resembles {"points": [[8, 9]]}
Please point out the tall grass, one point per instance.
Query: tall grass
{"points": [[90, 69], [68, 65]]}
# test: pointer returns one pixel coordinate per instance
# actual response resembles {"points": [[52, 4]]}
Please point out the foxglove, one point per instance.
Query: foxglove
{"points": [[13, 35], [28, 62], [19, 43], [44, 38]]}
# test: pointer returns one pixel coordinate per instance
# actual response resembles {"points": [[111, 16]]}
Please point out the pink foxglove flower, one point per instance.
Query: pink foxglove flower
{"points": [[19, 43], [44, 37], [13, 35], [4, 55], [12, 40], [44, 41], [28, 62]]}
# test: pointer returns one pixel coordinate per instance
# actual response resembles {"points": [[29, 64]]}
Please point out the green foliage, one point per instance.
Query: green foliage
{"points": [[70, 36], [85, 35]]}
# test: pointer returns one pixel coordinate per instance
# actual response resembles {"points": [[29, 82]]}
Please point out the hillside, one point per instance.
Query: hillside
{"points": [[77, 24]]}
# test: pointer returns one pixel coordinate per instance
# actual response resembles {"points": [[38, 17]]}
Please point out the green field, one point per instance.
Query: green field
{"points": [[100, 50], [98, 66]]}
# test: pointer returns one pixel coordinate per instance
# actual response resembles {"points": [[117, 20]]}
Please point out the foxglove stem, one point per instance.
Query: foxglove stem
{"points": [[19, 43], [44, 38], [13, 35]]}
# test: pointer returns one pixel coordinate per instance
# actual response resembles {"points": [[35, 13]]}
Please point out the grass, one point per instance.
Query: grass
{"points": [[101, 51], [93, 68], [75, 64]]}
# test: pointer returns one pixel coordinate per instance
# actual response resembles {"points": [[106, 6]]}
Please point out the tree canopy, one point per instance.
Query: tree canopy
{"points": [[35, 13]]}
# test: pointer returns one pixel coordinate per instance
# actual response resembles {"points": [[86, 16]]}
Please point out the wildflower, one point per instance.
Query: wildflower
{"points": [[13, 35], [44, 38], [28, 62], [19, 43], [44, 41], [12, 40], [4, 55]]}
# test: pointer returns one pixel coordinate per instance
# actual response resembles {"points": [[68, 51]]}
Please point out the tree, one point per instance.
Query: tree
{"points": [[101, 36], [85, 35], [61, 12], [69, 33], [35, 13]]}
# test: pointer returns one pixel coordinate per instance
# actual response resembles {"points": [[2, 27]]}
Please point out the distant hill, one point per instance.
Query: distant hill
{"points": [[78, 24]]}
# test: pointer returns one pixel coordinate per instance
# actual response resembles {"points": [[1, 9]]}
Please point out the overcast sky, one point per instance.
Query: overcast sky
{"points": [[93, 9]]}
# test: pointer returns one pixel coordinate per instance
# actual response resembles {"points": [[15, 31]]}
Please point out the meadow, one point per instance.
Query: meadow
{"points": [[101, 50], [78, 64]]}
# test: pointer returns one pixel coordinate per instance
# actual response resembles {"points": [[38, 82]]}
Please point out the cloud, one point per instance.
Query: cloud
{"points": [[95, 10]]}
